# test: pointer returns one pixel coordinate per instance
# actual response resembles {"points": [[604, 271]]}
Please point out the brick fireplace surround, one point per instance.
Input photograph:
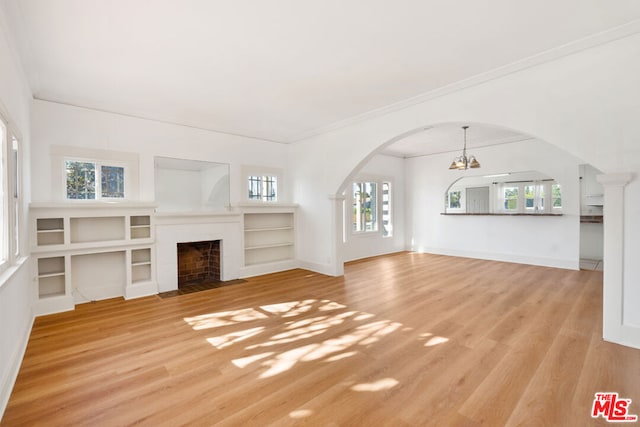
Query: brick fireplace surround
{"points": [[198, 262]]}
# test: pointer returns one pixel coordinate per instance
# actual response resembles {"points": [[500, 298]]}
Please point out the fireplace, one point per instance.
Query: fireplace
{"points": [[198, 262]]}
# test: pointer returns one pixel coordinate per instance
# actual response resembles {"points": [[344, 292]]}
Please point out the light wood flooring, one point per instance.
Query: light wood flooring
{"points": [[400, 340]]}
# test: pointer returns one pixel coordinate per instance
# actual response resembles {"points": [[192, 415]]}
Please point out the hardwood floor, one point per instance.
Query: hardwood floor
{"points": [[406, 339]]}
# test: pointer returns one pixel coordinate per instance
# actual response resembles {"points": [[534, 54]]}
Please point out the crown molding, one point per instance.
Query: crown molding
{"points": [[550, 55]]}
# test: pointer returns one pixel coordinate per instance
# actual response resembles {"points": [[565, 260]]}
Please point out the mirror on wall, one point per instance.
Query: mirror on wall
{"points": [[183, 185], [526, 192]]}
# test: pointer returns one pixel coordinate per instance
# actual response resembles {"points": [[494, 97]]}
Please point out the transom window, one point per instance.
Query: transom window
{"points": [[263, 188], [82, 178]]}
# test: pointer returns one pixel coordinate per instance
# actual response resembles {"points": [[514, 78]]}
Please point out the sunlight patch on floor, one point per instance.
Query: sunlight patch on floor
{"points": [[341, 356], [362, 330], [285, 361], [224, 318], [243, 362], [300, 413], [382, 384], [435, 341], [289, 309], [226, 340]]}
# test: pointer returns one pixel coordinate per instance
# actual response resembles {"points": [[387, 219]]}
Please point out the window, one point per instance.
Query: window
{"points": [[510, 198], [112, 181], [556, 196], [263, 188], [82, 178], [10, 200], [387, 226], [4, 199], [531, 196], [365, 206], [454, 201], [16, 195]]}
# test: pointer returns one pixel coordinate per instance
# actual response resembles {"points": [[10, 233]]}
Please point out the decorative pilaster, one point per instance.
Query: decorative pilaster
{"points": [[613, 328]]}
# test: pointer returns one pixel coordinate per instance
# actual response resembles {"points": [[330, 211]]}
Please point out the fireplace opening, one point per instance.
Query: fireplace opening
{"points": [[198, 262]]}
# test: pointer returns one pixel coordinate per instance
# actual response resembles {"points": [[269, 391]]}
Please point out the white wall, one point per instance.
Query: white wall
{"points": [[63, 125], [540, 240], [16, 315], [586, 103], [359, 245], [178, 190]]}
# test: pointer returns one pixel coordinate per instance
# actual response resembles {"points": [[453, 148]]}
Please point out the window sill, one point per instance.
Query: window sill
{"points": [[10, 270]]}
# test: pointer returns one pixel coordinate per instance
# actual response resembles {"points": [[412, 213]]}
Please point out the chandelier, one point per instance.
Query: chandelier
{"points": [[463, 162]]}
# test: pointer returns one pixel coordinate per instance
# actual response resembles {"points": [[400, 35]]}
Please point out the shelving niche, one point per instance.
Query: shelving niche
{"points": [[269, 239], [50, 231], [91, 252], [51, 276]]}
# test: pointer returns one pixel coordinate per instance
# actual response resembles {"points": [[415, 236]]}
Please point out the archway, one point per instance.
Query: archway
{"points": [[614, 328]]}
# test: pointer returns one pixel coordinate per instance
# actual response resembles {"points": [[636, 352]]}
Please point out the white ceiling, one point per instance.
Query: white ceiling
{"points": [[281, 69], [449, 137]]}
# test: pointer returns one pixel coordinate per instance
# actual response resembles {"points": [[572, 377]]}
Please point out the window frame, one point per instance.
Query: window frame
{"points": [[264, 182], [462, 200], [542, 197], [374, 197], [98, 163], [262, 172], [11, 209], [380, 182], [5, 252]]}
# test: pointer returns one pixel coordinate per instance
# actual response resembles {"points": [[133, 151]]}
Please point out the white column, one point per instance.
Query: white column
{"points": [[337, 224], [613, 327]]}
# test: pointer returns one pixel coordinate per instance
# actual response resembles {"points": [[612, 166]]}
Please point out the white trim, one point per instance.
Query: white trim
{"points": [[614, 328], [570, 264]]}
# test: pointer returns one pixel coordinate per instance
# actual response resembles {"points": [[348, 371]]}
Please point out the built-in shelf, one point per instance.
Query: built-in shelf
{"points": [[269, 236], [50, 231], [86, 252], [140, 265], [51, 277], [252, 230], [140, 227], [274, 245], [591, 219], [44, 276], [96, 229]]}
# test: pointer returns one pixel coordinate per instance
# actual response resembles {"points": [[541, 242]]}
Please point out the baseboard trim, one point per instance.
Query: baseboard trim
{"points": [[9, 381], [518, 259]]}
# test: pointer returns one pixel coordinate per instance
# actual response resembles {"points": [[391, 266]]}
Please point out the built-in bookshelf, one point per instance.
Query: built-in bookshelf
{"points": [[51, 276], [140, 265], [90, 252], [140, 226], [269, 238], [49, 231]]}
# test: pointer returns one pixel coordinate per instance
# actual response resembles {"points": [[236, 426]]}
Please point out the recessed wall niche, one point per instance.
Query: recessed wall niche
{"points": [[190, 185]]}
